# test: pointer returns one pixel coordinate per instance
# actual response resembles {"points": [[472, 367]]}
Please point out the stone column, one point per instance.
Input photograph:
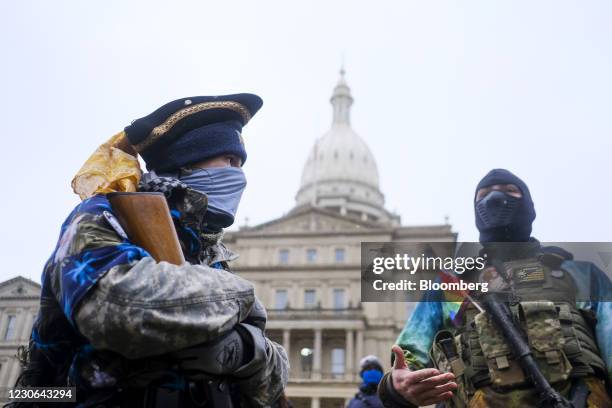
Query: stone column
{"points": [[27, 326], [3, 324], [350, 357], [318, 351], [19, 323], [359, 344], [315, 402], [4, 372], [287, 343]]}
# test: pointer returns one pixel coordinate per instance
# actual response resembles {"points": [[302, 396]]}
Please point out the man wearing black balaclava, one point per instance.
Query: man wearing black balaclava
{"points": [[504, 209], [474, 366]]}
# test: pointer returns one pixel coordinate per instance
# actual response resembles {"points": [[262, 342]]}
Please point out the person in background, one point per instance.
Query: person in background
{"points": [[371, 371]]}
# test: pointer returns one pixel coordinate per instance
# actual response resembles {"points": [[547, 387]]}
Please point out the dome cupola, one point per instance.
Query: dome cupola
{"points": [[341, 173]]}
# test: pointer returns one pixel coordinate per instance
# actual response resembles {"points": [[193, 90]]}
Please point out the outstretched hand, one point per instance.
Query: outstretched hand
{"points": [[420, 387]]}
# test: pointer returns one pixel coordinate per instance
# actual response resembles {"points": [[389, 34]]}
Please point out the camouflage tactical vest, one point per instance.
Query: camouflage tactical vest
{"points": [[560, 336]]}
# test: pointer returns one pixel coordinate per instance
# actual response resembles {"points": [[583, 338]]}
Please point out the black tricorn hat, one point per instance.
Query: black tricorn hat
{"points": [[192, 129]]}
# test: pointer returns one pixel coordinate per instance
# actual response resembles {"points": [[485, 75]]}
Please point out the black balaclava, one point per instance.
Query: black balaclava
{"points": [[501, 217]]}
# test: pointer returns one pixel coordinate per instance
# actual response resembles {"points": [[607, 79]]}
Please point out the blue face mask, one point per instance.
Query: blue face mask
{"points": [[223, 186], [372, 376]]}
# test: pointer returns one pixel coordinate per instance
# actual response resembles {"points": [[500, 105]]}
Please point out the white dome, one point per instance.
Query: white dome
{"points": [[340, 172], [340, 155]]}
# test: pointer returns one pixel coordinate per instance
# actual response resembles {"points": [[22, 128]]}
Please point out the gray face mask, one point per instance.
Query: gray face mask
{"points": [[223, 186]]}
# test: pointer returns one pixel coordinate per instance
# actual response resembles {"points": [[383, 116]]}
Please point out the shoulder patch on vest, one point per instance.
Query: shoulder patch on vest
{"points": [[529, 274]]}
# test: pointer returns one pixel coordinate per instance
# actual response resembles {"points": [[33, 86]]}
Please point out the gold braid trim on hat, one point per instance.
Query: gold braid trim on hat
{"points": [[160, 130]]}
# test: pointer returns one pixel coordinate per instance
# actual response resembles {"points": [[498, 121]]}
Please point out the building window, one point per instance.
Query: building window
{"points": [[283, 256], [337, 362], [339, 299], [310, 298], [311, 255], [280, 299], [306, 359], [10, 328], [340, 254]]}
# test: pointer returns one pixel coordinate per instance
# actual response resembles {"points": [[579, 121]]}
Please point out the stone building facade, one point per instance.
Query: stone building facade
{"points": [[19, 302], [306, 266]]}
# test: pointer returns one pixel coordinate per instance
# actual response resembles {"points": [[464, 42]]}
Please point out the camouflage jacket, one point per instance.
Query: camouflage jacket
{"points": [[100, 292]]}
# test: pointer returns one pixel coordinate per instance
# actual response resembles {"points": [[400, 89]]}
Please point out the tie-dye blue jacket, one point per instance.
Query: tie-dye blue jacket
{"points": [[103, 295]]}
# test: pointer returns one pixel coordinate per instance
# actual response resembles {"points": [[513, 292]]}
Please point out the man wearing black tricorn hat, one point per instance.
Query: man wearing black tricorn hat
{"points": [[124, 324], [531, 331]]}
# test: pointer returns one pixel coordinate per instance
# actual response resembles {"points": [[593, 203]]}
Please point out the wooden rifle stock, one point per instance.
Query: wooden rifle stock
{"points": [[147, 222]]}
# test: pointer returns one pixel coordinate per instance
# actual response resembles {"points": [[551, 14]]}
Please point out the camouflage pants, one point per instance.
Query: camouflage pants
{"points": [[488, 398]]}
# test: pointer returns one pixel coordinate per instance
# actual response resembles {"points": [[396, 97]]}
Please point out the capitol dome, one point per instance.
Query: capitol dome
{"points": [[341, 172]]}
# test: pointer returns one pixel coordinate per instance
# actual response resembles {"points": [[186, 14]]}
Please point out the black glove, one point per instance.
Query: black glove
{"points": [[257, 346], [237, 353]]}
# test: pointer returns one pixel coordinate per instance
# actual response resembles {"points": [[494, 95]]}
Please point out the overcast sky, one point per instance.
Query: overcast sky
{"points": [[444, 91]]}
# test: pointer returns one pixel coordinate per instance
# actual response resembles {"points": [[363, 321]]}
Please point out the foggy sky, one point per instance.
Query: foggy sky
{"points": [[444, 91]]}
